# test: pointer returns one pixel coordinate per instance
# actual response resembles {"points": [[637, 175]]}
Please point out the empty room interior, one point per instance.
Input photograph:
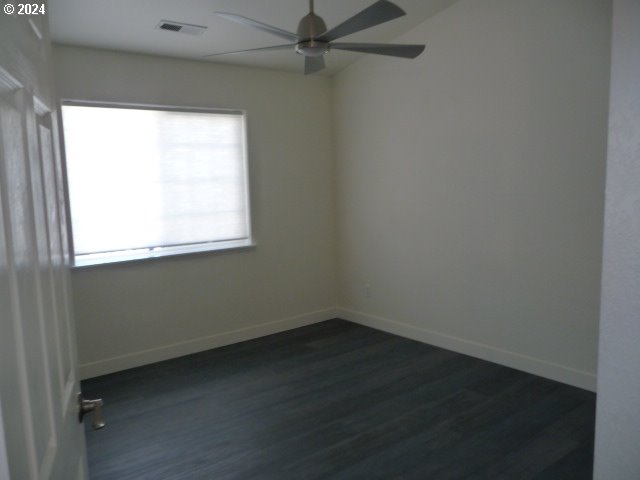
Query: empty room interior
{"points": [[285, 256]]}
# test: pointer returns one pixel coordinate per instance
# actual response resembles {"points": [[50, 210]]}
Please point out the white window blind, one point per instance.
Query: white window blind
{"points": [[152, 182]]}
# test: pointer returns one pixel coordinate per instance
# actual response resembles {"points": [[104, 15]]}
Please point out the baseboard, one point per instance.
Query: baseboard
{"points": [[166, 352], [536, 366]]}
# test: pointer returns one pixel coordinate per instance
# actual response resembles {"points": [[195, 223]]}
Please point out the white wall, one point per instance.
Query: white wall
{"points": [[470, 184], [617, 453], [141, 312]]}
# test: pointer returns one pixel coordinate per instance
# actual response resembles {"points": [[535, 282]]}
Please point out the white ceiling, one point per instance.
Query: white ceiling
{"points": [[130, 26]]}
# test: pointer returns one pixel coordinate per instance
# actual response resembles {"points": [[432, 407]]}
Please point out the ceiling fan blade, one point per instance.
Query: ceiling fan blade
{"points": [[263, 49], [259, 25], [313, 64], [389, 49], [380, 12]]}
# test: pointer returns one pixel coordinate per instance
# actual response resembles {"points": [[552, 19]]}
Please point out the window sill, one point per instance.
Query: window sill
{"points": [[135, 256]]}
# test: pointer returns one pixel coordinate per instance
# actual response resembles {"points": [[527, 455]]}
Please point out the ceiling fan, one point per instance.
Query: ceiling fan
{"points": [[313, 40]]}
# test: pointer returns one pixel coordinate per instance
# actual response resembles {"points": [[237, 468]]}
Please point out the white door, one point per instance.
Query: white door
{"points": [[41, 436]]}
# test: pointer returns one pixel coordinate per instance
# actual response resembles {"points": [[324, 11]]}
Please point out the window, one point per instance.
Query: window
{"points": [[146, 182]]}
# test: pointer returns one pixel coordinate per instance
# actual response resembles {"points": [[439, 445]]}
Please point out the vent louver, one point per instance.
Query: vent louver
{"points": [[178, 27], [170, 26]]}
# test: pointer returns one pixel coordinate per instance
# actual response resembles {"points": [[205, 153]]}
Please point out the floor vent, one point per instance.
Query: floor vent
{"points": [[172, 26]]}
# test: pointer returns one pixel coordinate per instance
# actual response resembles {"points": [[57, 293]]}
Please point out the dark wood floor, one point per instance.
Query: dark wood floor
{"points": [[338, 401]]}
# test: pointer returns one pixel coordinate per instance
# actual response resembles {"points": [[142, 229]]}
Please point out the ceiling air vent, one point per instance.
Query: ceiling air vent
{"points": [[171, 26]]}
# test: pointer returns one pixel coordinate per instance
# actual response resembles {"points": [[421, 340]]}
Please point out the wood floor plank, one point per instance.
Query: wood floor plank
{"points": [[337, 400]]}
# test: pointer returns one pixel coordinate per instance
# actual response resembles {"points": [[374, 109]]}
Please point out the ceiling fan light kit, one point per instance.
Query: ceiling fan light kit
{"points": [[313, 40]]}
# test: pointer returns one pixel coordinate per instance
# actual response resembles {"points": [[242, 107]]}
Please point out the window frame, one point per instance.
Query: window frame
{"points": [[158, 252]]}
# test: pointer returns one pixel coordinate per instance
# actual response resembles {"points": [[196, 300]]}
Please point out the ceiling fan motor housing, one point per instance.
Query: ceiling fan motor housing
{"points": [[311, 27]]}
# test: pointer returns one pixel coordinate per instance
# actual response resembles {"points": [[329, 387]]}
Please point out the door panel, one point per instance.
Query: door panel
{"points": [[20, 425], [30, 224], [52, 289]]}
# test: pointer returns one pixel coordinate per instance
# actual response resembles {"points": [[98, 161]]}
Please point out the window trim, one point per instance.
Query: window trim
{"points": [[168, 251]]}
